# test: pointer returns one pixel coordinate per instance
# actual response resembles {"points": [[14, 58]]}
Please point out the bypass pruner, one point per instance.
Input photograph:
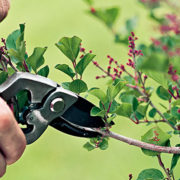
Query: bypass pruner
{"points": [[50, 104]]}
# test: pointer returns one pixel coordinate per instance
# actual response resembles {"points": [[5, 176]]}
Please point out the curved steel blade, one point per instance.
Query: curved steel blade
{"points": [[78, 115]]}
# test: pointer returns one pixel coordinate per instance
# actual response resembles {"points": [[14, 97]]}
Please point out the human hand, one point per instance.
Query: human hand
{"points": [[12, 139], [4, 7]]}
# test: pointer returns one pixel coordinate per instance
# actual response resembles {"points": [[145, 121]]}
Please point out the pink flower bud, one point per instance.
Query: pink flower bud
{"points": [[93, 10], [132, 33], [82, 49], [122, 67]]}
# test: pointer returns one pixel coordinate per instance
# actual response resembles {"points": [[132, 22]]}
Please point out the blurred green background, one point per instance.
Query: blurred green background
{"points": [[56, 155]]}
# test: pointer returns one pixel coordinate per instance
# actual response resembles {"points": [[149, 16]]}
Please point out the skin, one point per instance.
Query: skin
{"points": [[12, 139], [4, 7]]}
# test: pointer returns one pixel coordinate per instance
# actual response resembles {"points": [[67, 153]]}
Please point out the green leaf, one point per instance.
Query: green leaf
{"points": [[176, 103], [20, 39], [113, 91], [11, 39], [104, 144], [163, 93], [36, 59], [66, 85], [66, 69], [158, 77], [127, 98], [69, 47], [78, 86], [107, 16], [114, 106], [89, 146], [22, 99], [125, 109], [135, 103], [142, 109], [99, 94], [16, 45], [3, 77], [155, 136], [175, 159], [109, 120], [83, 63], [152, 112], [44, 71], [174, 112], [95, 111], [151, 174], [155, 62], [131, 24]]}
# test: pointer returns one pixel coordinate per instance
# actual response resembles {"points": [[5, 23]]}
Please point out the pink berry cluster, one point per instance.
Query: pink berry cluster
{"points": [[172, 24], [132, 51], [113, 72], [173, 74], [175, 51], [114, 69], [150, 3]]}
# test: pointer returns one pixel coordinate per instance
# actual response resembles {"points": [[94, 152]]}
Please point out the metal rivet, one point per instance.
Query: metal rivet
{"points": [[57, 105]]}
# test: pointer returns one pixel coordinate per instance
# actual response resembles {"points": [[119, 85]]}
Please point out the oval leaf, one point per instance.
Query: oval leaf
{"points": [[99, 94], [95, 111], [36, 59], [155, 136], [66, 69], [83, 63], [3, 77], [125, 109], [151, 174], [44, 71], [163, 93], [69, 47], [78, 86]]}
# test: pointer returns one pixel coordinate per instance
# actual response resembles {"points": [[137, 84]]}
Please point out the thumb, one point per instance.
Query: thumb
{"points": [[4, 7]]}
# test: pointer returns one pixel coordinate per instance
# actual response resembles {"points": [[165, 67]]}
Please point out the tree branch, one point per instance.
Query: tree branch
{"points": [[140, 144]]}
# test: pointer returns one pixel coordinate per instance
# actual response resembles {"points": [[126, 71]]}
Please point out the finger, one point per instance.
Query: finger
{"points": [[2, 165], [4, 7], [12, 139]]}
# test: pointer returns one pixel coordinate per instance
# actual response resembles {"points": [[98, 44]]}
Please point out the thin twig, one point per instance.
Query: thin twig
{"points": [[162, 165], [155, 121]]}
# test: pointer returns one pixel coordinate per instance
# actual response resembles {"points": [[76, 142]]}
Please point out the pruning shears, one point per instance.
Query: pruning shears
{"points": [[50, 104]]}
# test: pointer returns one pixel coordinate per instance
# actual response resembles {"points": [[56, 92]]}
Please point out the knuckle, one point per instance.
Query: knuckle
{"points": [[5, 121], [18, 151]]}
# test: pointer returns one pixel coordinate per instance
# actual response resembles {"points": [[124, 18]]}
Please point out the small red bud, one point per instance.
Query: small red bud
{"points": [[82, 49], [122, 67], [90, 51], [97, 77], [81, 56], [174, 87], [145, 77], [93, 10], [95, 63], [179, 111], [132, 33]]}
